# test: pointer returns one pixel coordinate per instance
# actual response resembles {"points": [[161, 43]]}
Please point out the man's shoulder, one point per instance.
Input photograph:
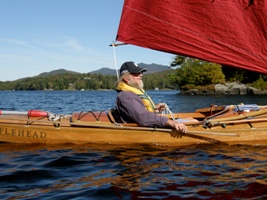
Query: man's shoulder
{"points": [[127, 95]]}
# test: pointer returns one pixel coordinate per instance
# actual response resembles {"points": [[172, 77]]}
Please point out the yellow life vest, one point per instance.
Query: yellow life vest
{"points": [[148, 103]]}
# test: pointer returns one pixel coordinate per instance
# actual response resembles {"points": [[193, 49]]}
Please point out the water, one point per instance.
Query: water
{"points": [[128, 172]]}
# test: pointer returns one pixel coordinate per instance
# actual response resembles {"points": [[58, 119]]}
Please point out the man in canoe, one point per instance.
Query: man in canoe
{"points": [[135, 106]]}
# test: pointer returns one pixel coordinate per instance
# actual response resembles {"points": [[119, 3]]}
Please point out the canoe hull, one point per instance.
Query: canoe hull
{"points": [[47, 132]]}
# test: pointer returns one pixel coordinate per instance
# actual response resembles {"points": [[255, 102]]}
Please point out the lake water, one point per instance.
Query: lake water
{"points": [[128, 172]]}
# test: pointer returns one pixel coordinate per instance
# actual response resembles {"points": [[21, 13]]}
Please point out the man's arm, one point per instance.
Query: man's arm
{"points": [[132, 109]]}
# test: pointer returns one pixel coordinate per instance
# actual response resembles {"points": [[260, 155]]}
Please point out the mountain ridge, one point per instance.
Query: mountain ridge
{"points": [[151, 68]]}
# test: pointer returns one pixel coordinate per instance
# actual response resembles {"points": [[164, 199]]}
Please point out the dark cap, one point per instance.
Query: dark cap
{"points": [[131, 67]]}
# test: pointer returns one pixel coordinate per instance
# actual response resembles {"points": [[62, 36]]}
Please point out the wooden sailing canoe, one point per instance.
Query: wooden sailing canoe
{"points": [[103, 128]]}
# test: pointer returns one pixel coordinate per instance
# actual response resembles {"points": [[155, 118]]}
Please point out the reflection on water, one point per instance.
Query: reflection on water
{"points": [[128, 172], [133, 172]]}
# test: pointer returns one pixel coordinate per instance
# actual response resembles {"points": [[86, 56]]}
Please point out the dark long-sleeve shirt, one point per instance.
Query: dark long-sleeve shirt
{"points": [[132, 110]]}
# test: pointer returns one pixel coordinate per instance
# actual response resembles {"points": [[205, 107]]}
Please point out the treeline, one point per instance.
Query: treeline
{"points": [[187, 74], [199, 74], [87, 81], [62, 82]]}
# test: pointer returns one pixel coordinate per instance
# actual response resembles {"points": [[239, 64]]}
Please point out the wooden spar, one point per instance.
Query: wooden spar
{"points": [[243, 115], [238, 121], [118, 44]]}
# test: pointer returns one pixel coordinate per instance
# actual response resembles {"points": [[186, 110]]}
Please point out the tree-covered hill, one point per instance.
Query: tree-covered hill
{"points": [[151, 68], [57, 72], [188, 74], [68, 80]]}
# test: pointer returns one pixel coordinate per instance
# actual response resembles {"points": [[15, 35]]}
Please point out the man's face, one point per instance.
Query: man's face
{"points": [[135, 80]]}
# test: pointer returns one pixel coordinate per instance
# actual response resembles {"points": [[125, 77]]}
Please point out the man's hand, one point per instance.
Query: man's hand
{"points": [[179, 128], [160, 107]]}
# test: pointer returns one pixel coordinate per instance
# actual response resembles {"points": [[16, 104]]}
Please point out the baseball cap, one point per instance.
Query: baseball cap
{"points": [[131, 67]]}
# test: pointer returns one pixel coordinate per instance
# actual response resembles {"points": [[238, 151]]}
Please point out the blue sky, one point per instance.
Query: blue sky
{"points": [[43, 35]]}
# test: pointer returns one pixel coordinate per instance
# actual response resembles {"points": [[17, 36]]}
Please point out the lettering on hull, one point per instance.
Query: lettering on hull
{"points": [[22, 133]]}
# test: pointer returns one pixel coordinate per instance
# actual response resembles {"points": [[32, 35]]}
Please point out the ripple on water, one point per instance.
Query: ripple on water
{"points": [[132, 172]]}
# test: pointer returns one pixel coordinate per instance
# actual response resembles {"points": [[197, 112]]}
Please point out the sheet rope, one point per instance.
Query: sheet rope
{"points": [[168, 111]]}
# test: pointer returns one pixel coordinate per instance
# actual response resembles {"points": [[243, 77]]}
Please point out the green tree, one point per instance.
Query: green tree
{"points": [[195, 72], [260, 83], [244, 76]]}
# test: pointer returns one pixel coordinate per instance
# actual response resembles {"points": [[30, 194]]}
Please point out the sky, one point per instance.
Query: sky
{"points": [[44, 35]]}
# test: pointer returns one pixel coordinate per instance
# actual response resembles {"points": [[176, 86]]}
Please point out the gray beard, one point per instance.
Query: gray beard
{"points": [[138, 86]]}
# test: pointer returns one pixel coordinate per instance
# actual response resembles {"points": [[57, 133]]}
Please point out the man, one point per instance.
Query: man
{"points": [[135, 106]]}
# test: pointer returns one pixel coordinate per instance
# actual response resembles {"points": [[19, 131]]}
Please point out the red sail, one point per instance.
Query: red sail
{"points": [[228, 32]]}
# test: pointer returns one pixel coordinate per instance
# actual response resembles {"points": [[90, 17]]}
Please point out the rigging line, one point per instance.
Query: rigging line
{"points": [[168, 111], [115, 61]]}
